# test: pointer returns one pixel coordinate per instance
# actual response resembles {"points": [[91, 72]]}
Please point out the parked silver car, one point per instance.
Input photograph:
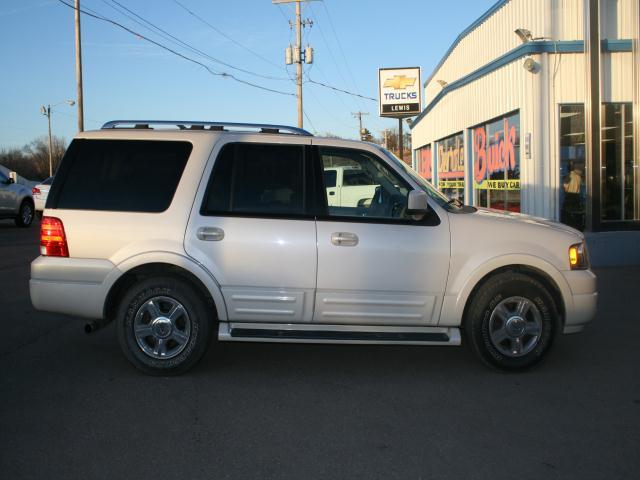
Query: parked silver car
{"points": [[15, 201]]}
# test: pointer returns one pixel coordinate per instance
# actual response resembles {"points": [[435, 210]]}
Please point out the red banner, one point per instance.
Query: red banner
{"points": [[425, 168]]}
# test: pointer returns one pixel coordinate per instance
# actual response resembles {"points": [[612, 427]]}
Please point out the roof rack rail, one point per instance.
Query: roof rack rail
{"points": [[215, 126]]}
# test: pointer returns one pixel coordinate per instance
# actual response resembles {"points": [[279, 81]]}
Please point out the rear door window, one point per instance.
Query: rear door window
{"points": [[257, 179], [119, 175]]}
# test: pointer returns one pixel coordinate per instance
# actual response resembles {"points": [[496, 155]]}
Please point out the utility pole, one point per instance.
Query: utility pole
{"points": [[295, 54], [299, 62], [400, 142], [79, 69], [359, 116], [46, 111]]}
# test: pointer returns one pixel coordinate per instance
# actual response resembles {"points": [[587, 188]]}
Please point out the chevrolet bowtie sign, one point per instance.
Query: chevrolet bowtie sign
{"points": [[399, 92], [399, 82]]}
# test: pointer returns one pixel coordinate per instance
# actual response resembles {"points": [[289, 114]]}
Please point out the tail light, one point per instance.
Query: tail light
{"points": [[53, 241], [35, 191]]}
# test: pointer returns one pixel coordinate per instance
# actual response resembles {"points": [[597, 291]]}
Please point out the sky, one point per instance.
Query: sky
{"points": [[127, 77]]}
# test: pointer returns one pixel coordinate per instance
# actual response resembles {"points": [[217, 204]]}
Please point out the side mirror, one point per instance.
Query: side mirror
{"points": [[417, 202], [13, 177]]}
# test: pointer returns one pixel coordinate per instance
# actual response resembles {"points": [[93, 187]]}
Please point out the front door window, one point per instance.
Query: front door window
{"points": [[368, 189]]}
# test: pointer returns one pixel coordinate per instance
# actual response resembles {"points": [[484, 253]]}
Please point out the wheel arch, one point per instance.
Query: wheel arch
{"points": [[455, 305], [533, 272], [134, 270], [29, 199]]}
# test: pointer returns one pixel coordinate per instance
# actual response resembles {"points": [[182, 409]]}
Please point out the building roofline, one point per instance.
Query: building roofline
{"points": [[493, 9], [529, 48]]}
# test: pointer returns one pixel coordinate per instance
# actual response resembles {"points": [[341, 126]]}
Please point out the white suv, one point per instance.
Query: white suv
{"points": [[183, 230]]}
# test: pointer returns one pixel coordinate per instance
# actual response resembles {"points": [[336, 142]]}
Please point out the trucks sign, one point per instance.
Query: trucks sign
{"points": [[399, 90]]}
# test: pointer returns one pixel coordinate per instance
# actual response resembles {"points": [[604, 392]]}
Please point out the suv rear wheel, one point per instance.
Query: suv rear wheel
{"points": [[512, 321], [164, 327]]}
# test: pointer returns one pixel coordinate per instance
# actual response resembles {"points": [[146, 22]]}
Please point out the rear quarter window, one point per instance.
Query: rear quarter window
{"points": [[119, 175]]}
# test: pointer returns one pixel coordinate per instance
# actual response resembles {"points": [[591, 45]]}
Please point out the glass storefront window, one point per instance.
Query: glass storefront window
{"points": [[619, 177], [425, 164], [496, 163], [451, 166], [573, 191]]}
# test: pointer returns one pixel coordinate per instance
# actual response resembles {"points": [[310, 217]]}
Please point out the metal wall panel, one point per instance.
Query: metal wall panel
{"points": [[617, 18], [553, 19], [617, 72]]}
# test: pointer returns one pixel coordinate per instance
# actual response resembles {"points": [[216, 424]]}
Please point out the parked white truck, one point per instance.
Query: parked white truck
{"points": [[349, 186]]}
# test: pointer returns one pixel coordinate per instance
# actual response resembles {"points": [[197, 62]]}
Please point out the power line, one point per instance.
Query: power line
{"points": [[326, 42], [339, 45], [175, 40], [310, 122], [220, 32], [309, 80], [164, 47], [71, 115], [329, 112]]}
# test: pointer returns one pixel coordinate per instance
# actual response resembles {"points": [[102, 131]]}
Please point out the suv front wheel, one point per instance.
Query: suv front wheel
{"points": [[512, 321], [164, 328]]}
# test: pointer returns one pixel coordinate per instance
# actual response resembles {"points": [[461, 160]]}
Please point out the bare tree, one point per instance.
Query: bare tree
{"points": [[38, 154], [392, 144], [330, 135], [32, 160]]}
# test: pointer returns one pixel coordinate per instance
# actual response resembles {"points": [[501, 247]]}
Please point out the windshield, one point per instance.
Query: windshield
{"points": [[433, 192]]}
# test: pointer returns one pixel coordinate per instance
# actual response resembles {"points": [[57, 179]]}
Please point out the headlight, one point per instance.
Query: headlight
{"points": [[578, 258]]}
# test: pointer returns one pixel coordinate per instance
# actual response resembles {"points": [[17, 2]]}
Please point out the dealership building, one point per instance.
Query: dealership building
{"points": [[534, 109]]}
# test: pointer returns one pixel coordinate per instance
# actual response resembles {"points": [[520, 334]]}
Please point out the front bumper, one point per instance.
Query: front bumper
{"points": [[582, 306]]}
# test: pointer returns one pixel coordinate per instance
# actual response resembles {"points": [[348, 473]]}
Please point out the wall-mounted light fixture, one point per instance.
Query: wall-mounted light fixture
{"points": [[524, 34], [530, 65]]}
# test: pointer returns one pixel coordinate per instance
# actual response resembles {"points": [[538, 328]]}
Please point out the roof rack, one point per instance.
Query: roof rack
{"points": [[215, 126]]}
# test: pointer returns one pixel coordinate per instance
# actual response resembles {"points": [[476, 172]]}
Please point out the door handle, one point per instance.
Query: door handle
{"points": [[210, 234], [344, 239]]}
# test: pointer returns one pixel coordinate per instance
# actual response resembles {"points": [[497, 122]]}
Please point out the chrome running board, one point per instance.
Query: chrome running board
{"points": [[320, 333]]}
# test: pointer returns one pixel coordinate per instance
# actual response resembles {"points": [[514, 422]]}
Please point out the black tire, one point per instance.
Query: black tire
{"points": [[498, 298], [199, 315], [25, 214]]}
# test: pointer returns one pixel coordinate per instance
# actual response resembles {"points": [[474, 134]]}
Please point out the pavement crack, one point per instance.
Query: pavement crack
{"points": [[33, 340]]}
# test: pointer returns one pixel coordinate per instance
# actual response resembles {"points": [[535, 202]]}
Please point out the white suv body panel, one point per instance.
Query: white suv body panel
{"points": [[488, 240], [266, 267], [265, 270], [123, 239]]}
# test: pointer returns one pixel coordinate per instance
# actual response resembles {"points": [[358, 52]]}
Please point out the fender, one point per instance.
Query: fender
{"points": [[178, 260], [461, 286]]}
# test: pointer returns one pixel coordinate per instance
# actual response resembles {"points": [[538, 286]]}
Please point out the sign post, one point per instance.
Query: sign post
{"points": [[399, 95]]}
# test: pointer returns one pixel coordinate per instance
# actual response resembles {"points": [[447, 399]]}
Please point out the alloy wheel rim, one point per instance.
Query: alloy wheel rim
{"points": [[515, 326], [27, 214], [162, 327]]}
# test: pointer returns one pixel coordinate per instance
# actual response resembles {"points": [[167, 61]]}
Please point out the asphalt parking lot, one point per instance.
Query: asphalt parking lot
{"points": [[72, 407]]}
